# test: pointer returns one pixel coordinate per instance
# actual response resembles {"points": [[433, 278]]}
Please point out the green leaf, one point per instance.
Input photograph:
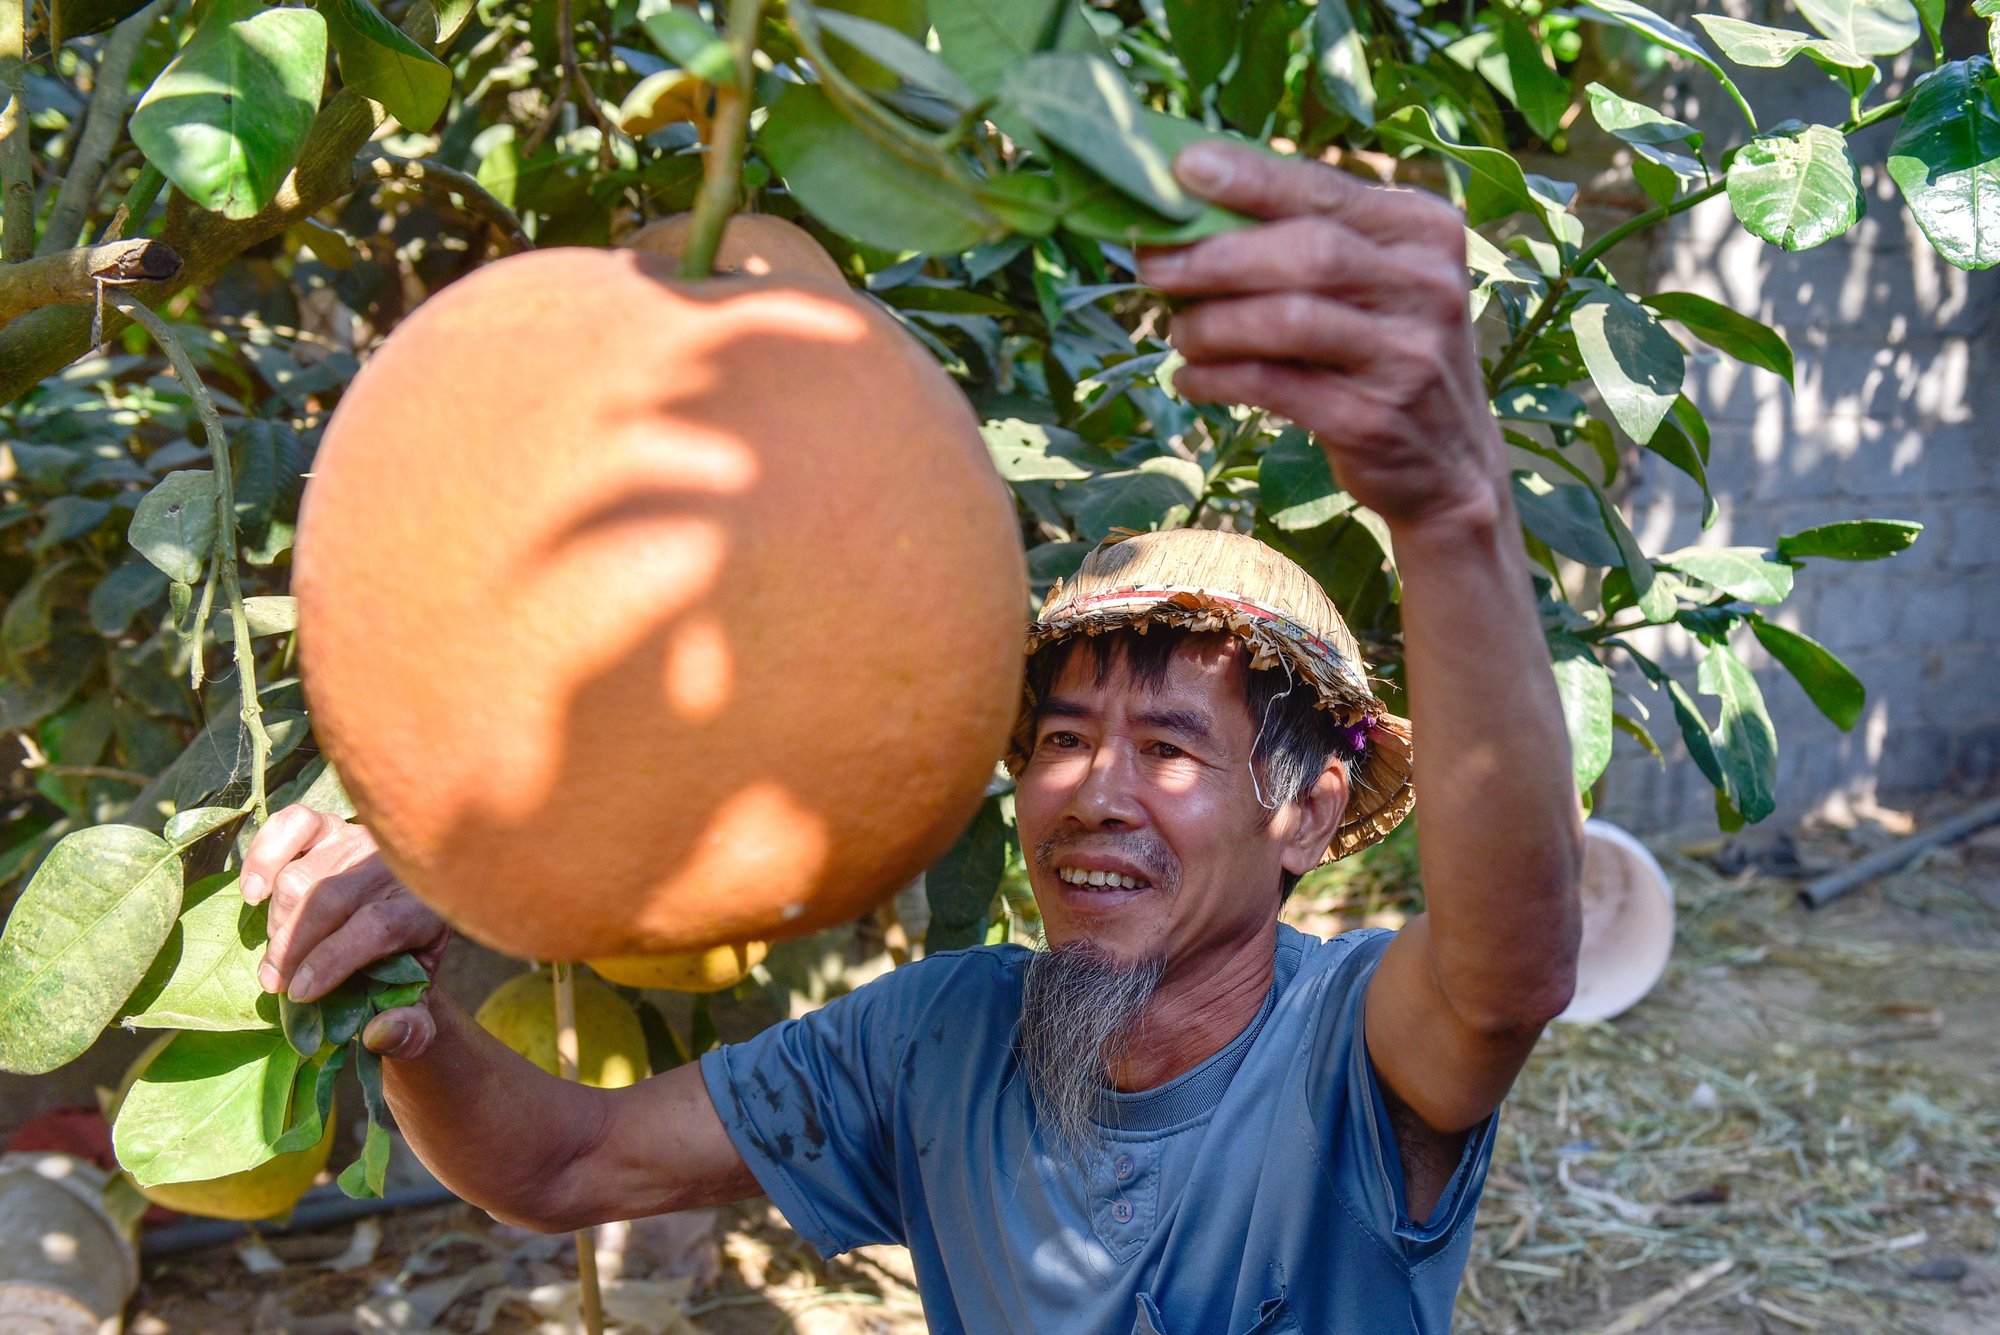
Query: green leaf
{"points": [[68, 517], [25, 625], [960, 886], [205, 977], [1021, 452], [1295, 484], [1539, 91], [219, 756], [124, 593], [346, 1009], [1568, 519], [1340, 61], [1850, 540], [1746, 746], [363, 1178], [1748, 573], [1687, 717], [399, 969], [1760, 47], [1946, 160], [1932, 13], [225, 120], [1796, 188], [1157, 494], [1741, 337], [1635, 364], [1870, 27], [1094, 208], [1672, 443], [304, 1028], [881, 193], [904, 18], [1084, 106], [900, 55], [1674, 38], [1495, 188], [1204, 37], [1256, 86], [1828, 682], [1635, 122], [379, 61], [985, 39], [79, 939], [312, 1102], [1585, 688], [196, 823], [174, 526], [207, 1106], [687, 40]]}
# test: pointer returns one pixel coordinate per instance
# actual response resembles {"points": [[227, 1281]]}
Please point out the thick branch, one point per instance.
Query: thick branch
{"points": [[109, 97], [73, 275], [722, 175], [474, 199], [17, 179]]}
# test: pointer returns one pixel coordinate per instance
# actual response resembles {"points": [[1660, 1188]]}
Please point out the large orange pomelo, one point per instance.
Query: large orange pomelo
{"points": [[757, 244], [641, 615]]}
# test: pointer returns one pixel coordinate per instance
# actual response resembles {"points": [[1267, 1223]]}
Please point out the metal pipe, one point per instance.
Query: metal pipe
{"points": [[311, 1213], [1831, 887]]}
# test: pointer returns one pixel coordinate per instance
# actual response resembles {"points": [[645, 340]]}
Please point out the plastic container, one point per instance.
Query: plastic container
{"points": [[1628, 924], [65, 1266]]}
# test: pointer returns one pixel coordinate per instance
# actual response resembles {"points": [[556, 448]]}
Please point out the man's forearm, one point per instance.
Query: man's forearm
{"points": [[1499, 835], [496, 1129]]}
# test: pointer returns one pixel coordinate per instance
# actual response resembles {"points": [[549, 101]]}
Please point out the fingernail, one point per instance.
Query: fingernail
{"points": [[1202, 166], [253, 887], [386, 1035], [302, 982], [267, 977]]}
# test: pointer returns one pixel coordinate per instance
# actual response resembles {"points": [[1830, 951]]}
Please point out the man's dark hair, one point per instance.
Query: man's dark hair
{"points": [[1296, 737]]}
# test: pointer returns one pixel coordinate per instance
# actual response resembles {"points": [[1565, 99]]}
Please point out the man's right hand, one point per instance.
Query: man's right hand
{"points": [[335, 909]]}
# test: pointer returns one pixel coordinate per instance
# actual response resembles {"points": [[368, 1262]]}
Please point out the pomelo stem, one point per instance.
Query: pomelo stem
{"points": [[589, 1299], [722, 178]]}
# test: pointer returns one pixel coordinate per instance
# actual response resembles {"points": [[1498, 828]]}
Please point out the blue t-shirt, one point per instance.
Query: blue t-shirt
{"points": [[1259, 1193]]}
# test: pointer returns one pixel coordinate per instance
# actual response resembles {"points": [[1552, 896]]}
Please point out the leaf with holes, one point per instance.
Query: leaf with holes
{"points": [[174, 526], [79, 939]]}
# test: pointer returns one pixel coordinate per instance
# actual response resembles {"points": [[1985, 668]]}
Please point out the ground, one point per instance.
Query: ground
{"points": [[1798, 1130]]}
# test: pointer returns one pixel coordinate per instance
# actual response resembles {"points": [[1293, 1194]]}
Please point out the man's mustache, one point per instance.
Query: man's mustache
{"points": [[1141, 848]]}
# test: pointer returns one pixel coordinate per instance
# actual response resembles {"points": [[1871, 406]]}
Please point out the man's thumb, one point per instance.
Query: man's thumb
{"points": [[403, 1033]]}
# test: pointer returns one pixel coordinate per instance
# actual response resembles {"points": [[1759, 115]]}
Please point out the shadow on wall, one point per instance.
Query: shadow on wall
{"points": [[1897, 388]]}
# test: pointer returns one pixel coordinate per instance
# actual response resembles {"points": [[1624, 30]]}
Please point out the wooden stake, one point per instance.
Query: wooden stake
{"points": [[1648, 1310], [590, 1297]]}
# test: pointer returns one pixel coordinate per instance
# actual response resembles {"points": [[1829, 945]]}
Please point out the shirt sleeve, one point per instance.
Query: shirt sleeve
{"points": [[807, 1103], [1367, 1164]]}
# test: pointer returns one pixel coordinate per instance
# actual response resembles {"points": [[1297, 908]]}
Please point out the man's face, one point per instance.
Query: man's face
{"points": [[1150, 792]]}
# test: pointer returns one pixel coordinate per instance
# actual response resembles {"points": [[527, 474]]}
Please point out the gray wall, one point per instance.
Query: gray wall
{"points": [[1894, 416]]}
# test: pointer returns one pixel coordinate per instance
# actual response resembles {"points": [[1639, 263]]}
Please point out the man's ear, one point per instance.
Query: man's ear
{"points": [[1316, 818]]}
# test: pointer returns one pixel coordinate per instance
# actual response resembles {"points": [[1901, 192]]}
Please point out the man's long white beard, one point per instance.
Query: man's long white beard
{"points": [[1079, 1009]]}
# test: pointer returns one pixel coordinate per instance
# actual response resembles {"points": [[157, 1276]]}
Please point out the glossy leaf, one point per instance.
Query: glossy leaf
{"points": [[1253, 91], [1157, 494], [1585, 688], [1022, 452], [1746, 746], [210, 1104], [225, 120], [851, 181], [363, 1179], [1204, 37], [1567, 519], [985, 39], [1674, 38], [124, 593], [1796, 188], [1946, 160], [1635, 364], [1741, 337], [1542, 94], [1851, 540], [378, 60], [1096, 209], [1084, 106], [960, 886], [1340, 61], [1635, 122], [1495, 185], [1295, 484], [1871, 27], [205, 977], [79, 939], [1748, 573], [900, 55], [1829, 683], [687, 40], [174, 526]]}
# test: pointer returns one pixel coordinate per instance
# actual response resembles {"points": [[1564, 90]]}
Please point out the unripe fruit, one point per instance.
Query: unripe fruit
{"points": [[756, 244], [640, 615], [610, 1045], [711, 970]]}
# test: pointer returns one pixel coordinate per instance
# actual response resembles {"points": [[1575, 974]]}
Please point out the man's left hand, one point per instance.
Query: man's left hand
{"points": [[1345, 311]]}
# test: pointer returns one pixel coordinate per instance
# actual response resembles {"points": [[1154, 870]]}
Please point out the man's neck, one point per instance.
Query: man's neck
{"points": [[1195, 1013]]}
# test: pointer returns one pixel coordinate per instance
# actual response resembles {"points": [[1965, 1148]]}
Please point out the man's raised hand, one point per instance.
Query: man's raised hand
{"points": [[1346, 312], [335, 909]]}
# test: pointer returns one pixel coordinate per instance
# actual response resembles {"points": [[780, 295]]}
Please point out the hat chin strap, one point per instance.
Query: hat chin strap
{"points": [[1256, 786]]}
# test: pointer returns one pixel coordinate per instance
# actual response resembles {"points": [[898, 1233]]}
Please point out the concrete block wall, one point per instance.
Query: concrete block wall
{"points": [[1895, 414]]}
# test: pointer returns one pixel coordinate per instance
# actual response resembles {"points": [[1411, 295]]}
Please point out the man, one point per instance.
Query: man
{"points": [[1182, 1118]]}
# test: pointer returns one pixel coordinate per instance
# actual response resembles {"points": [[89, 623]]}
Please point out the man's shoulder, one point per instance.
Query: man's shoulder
{"points": [[1352, 951], [973, 978]]}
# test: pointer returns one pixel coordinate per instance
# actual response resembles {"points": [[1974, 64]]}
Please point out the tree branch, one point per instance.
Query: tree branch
{"points": [[17, 176], [103, 123], [73, 275], [722, 175], [474, 199]]}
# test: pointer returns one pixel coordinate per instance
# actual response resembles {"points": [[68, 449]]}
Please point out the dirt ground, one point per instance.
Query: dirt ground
{"points": [[1799, 1130]]}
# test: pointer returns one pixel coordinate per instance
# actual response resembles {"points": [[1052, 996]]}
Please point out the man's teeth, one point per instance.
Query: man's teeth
{"points": [[1108, 879]]}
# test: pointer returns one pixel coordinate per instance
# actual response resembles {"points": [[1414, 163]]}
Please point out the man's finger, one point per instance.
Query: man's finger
{"points": [[1281, 326], [403, 1033], [379, 928], [285, 836], [1266, 186], [1319, 254], [310, 900]]}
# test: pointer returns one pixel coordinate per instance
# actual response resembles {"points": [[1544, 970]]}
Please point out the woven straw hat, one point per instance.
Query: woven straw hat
{"points": [[1203, 580]]}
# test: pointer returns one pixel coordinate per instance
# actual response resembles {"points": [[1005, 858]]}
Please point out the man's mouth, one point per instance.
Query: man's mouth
{"points": [[1085, 878]]}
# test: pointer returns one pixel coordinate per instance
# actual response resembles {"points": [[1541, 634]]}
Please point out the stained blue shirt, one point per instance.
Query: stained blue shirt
{"points": [[1259, 1193]]}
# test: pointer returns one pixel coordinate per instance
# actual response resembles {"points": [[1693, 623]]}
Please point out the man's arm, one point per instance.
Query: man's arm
{"points": [[1346, 312], [498, 1130]]}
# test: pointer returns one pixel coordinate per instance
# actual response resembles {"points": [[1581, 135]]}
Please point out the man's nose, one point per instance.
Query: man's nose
{"points": [[1107, 795]]}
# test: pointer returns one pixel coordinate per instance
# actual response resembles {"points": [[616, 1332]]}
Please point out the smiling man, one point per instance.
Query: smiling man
{"points": [[1182, 1118]]}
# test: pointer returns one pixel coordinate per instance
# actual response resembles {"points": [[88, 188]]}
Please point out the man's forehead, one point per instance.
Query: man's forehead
{"points": [[1203, 665]]}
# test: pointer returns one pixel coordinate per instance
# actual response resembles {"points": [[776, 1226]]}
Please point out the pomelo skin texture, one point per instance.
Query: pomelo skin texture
{"points": [[610, 1045], [756, 244], [711, 970], [642, 616]]}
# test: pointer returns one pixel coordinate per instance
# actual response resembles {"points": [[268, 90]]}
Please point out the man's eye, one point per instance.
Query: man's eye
{"points": [[1062, 741], [1168, 751]]}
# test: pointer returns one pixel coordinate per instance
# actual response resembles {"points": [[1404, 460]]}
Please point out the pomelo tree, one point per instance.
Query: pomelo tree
{"points": [[250, 195]]}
